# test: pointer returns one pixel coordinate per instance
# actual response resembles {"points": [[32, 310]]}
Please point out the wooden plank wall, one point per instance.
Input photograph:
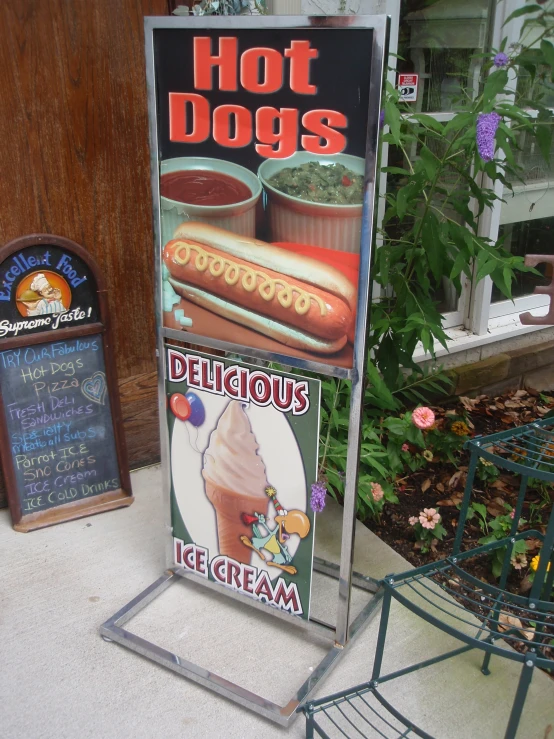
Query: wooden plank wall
{"points": [[74, 162]]}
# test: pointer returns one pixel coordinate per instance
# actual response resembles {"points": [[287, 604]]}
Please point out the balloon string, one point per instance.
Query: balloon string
{"points": [[194, 444]]}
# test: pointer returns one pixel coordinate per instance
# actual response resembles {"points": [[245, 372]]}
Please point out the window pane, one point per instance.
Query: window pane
{"points": [[528, 237], [534, 167], [445, 293], [437, 41], [540, 88]]}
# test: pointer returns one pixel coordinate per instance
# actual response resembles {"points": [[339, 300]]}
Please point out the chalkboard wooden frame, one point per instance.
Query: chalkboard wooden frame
{"points": [[107, 501]]}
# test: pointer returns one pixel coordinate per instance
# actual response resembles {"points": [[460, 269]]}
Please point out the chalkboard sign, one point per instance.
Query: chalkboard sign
{"points": [[59, 422], [61, 440]]}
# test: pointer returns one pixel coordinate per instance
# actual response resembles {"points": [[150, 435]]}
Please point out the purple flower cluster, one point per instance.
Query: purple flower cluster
{"points": [[487, 123], [500, 60], [318, 497]]}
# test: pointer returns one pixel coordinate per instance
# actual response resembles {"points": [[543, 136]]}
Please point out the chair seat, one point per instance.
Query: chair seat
{"points": [[447, 595], [359, 712], [525, 450], [479, 614]]}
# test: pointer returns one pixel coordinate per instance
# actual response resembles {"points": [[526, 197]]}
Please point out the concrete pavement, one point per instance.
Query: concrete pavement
{"points": [[60, 680]]}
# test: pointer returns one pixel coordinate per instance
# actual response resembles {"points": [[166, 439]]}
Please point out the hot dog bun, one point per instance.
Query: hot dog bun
{"points": [[287, 335], [299, 301], [264, 291], [305, 269]]}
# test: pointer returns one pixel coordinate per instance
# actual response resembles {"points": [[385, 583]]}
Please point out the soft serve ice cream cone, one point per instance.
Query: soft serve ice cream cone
{"points": [[235, 478]]}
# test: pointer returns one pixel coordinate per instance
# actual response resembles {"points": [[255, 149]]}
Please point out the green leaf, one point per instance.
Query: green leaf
{"points": [[502, 278], [396, 426], [380, 391], [461, 120], [484, 265], [487, 539], [459, 266], [415, 436], [548, 52], [396, 170], [430, 162], [402, 201], [434, 249], [428, 121], [496, 82], [481, 510], [522, 11], [393, 120], [372, 462]]}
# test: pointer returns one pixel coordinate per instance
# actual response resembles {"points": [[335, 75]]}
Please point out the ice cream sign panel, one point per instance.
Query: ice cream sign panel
{"points": [[243, 450]]}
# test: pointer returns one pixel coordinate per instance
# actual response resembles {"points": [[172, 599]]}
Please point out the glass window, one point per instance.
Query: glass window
{"points": [[534, 167], [445, 293], [528, 237], [439, 41]]}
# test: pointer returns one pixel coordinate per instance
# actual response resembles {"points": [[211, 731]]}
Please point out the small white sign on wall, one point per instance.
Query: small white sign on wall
{"points": [[407, 84]]}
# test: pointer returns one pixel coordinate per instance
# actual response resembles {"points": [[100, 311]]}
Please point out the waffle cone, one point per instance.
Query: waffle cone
{"points": [[229, 506]]}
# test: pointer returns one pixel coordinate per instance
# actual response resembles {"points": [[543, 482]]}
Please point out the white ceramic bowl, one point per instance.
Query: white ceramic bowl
{"points": [[240, 218], [337, 227]]}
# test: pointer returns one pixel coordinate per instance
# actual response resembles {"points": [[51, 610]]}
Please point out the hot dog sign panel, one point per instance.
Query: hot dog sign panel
{"points": [[260, 140], [243, 450]]}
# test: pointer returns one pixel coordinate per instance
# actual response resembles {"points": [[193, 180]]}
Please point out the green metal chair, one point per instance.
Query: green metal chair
{"points": [[445, 595]]}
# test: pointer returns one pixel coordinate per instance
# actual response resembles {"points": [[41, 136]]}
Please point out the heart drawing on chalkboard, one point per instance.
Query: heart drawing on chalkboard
{"points": [[94, 388]]}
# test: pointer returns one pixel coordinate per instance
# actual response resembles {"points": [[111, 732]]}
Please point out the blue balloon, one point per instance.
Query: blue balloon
{"points": [[197, 410]]}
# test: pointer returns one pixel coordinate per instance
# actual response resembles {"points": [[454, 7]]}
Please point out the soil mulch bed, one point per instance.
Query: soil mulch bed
{"points": [[440, 484]]}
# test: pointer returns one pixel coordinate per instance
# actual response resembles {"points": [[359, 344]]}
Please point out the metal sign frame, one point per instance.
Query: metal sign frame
{"points": [[343, 631]]}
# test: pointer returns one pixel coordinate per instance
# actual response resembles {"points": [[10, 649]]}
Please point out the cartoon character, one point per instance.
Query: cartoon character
{"points": [[50, 296], [30, 300], [275, 540]]}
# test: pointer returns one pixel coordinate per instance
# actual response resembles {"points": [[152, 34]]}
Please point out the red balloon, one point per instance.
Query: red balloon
{"points": [[180, 406]]}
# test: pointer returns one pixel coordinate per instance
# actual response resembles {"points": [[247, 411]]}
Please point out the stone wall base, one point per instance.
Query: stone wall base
{"points": [[529, 368]]}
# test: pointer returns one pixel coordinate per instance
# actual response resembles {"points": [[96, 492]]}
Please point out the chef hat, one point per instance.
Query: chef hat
{"points": [[39, 282]]}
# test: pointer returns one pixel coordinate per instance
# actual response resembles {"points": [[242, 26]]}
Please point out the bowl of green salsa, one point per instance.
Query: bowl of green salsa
{"points": [[315, 200]]}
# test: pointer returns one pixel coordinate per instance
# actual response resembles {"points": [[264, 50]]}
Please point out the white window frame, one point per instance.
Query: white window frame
{"points": [[484, 314]]}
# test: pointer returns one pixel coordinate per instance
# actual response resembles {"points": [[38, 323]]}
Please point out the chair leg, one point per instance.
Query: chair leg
{"points": [[310, 725], [506, 565], [521, 695], [486, 662], [380, 648], [456, 547]]}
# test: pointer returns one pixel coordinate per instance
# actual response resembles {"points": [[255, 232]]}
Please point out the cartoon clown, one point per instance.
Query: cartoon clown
{"points": [[275, 540]]}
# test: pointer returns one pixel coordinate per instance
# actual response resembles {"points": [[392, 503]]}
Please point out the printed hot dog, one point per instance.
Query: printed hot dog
{"points": [[261, 286]]}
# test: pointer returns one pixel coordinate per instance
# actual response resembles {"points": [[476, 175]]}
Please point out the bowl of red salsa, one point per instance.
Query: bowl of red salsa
{"points": [[212, 191]]}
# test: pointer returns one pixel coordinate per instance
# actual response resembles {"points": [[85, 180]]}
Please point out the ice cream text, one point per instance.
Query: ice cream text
{"points": [[239, 577]]}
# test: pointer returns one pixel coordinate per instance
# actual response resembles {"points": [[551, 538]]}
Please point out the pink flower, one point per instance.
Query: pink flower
{"points": [[429, 518], [376, 492], [423, 418], [512, 513], [405, 448], [413, 520]]}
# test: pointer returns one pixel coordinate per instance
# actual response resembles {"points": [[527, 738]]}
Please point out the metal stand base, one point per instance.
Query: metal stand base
{"points": [[112, 630]]}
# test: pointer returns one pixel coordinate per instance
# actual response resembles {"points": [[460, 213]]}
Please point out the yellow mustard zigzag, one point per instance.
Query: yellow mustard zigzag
{"points": [[231, 272]]}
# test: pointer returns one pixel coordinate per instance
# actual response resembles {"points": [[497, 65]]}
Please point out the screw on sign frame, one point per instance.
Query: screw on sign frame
{"points": [[38, 297]]}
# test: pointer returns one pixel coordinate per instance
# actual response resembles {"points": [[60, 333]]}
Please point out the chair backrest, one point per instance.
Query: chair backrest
{"points": [[527, 451]]}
